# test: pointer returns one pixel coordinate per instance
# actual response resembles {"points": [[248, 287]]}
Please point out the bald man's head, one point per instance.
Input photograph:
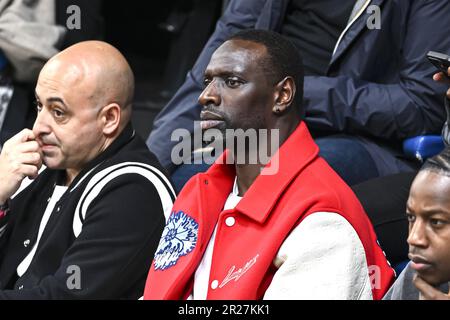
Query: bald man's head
{"points": [[84, 97], [99, 70]]}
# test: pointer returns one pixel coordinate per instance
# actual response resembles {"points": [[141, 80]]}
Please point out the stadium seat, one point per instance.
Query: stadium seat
{"points": [[423, 147]]}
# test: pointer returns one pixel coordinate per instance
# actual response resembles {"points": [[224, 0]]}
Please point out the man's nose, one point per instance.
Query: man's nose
{"points": [[210, 95], [41, 124], [417, 236]]}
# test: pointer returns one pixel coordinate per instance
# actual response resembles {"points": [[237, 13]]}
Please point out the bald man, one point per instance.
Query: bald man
{"points": [[82, 200]]}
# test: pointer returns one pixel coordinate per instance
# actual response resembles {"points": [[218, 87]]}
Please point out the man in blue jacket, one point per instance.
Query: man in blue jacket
{"points": [[367, 87]]}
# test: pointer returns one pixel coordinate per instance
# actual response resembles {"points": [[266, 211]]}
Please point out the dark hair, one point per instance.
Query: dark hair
{"points": [[439, 164], [283, 59]]}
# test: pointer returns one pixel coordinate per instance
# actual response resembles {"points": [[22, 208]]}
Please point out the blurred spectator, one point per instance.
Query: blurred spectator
{"points": [[366, 89], [189, 25], [30, 33], [28, 37]]}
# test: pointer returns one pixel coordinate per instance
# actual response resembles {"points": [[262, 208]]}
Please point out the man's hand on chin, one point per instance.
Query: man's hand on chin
{"points": [[20, 158], [428, 292]]}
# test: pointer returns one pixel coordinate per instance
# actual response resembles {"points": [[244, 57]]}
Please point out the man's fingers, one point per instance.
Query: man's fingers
{"points": [[438, 76], [33, 158], [29, 146], [29, 171], [23, 136], [427, 291]]}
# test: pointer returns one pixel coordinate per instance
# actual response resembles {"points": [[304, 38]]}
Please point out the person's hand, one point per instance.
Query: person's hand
{"points": [[428, 292], [441, 78], [20, 157]]}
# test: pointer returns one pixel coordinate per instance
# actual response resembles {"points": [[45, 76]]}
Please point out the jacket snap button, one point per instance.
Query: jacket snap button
{"points": [[26, 243], [214, 284], [230, 221]]}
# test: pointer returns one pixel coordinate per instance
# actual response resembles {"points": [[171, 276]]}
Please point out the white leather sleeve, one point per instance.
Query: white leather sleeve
{"points": [[322, 258]]}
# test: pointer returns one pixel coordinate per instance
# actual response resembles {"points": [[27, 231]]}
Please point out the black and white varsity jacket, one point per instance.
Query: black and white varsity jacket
{"points": [[99, 240]]}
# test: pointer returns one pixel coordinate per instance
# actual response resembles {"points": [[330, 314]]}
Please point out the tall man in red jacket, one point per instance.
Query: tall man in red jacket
{"points": [[286, 229]]}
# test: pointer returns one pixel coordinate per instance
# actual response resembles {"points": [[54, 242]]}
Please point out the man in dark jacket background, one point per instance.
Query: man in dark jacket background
{"points": [[368, 84]]}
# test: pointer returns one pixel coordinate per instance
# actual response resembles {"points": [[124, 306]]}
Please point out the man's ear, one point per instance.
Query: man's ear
{"points": [[110, 117], [284, 95]]}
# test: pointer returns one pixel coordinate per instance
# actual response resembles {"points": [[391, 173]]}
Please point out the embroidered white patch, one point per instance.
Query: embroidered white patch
{"points": [[178, 239]]}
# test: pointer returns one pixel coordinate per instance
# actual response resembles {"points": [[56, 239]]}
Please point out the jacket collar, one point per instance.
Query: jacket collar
{"points": [[272, 17], [356, 24], [293, 155]]}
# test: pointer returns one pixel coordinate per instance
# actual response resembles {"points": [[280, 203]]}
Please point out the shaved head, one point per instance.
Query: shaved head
{"points": [[84, 96], [98, 70]]}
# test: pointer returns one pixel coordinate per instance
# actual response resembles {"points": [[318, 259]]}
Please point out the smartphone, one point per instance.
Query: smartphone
{"points": [[440, 61]]}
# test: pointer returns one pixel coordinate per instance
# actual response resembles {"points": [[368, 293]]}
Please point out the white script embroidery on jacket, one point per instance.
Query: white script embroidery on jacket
{"points": [[235, 275]]}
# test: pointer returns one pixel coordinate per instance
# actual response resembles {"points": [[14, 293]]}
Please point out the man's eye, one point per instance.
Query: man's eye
{"points": [[437, 222], [38, 106], [58, 113], [410, 217], [206, 82], [232, 82]]}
